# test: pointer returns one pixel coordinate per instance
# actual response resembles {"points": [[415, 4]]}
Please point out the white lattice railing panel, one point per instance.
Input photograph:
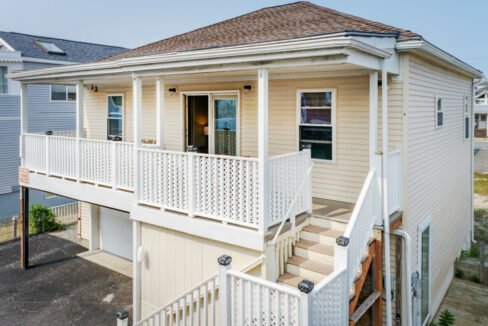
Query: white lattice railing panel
{"points": [[330, 305], [255, 301], [66, 214], [226, 188], [34, 152], [195, 307], [61, 156], [124, 160], [286, 173], [96, 161], [164, 179], [395, 178], [360, 226]]}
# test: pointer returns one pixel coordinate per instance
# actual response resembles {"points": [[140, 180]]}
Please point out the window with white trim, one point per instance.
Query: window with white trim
{"points": [[467, 127], [316, 124], [439, 112], [3, 80], [424, 267], [63, 93]]}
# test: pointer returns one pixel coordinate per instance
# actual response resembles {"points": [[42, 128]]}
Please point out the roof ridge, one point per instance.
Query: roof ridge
{"points": [[64, 39], [210, 25], [356, 18]]}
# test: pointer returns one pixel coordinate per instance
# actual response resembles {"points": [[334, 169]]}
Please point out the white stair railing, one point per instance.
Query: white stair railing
{"points": [[360, 226], [195, 307]]}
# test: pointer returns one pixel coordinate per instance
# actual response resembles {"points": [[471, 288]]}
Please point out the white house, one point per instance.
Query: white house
{"points": [[481, 108], [296, 144], [51, 109]]}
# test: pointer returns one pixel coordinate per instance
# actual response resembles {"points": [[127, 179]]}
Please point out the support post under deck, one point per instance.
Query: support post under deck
{"points": [[24, 221]]}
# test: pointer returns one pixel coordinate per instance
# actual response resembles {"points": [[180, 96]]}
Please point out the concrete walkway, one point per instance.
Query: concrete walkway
{"points": [[468, 302]]}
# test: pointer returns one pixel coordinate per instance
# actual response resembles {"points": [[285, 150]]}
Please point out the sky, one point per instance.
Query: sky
{"points": [[458, 27]]}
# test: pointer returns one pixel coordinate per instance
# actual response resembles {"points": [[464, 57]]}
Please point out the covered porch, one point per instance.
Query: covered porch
{"points": [[231, 143]]}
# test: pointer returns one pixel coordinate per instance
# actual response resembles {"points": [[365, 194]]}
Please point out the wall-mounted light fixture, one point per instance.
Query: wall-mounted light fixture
{"points": [[247, 89], [172, 91], [94, 88]]}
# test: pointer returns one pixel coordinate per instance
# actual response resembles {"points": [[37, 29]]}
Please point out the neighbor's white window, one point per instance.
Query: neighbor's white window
{"points": [[3, 80], [63, 93], [424, 266], [439, 112], [316, 109], [467, 127], [115, 117]]}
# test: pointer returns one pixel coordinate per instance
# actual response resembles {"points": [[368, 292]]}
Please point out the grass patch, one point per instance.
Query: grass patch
{"points": [[481, 184]]}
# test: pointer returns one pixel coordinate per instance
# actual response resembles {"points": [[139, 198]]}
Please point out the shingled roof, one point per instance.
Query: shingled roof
{"points": [[294, 20], [74, 51]]}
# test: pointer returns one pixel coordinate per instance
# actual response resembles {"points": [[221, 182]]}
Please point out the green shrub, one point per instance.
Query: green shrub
{"points": [[446, 318], [41, 219], [475, 278], [459, 274], [472, 252]]}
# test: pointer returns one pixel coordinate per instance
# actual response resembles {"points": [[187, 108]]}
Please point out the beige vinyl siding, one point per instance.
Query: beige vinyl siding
{"points": [[85, 224], [340, 180], [438, 178], [176, 262]]}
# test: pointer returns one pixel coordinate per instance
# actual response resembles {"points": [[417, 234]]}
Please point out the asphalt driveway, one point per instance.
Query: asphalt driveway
{"points": [[60, 288]]}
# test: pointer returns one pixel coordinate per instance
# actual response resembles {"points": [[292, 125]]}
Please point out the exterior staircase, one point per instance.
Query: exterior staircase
{"points": [[313, 254]]}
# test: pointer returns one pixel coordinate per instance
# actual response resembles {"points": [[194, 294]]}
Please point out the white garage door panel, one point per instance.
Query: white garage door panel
{"points": [[116, 232]]}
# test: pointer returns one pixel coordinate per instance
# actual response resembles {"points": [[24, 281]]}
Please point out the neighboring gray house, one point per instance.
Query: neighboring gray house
{"points": [[52, 107]]}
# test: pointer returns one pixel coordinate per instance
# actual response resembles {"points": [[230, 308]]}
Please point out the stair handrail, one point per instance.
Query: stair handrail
{"points": [[292, 204]]}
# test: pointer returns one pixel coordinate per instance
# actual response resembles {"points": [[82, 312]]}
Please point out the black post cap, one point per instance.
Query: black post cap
{"points": [[305, 286], [224, 260], [342, 241], [122, 314]]}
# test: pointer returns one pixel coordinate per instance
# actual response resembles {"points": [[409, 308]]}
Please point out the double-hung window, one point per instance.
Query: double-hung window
{"points": [[115, 117], [467, 127], [439, 112], [63, 93], [316, 127], [3, 80]]}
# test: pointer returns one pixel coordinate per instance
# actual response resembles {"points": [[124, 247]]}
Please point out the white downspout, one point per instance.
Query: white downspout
{"points": [[408, 273], [386, 216]]}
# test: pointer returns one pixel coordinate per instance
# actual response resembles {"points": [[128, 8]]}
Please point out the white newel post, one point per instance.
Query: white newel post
{"points": [[137, 107], [224, 290], [23, 120], [160, 112], [80, 90], [263, 148], [306, 313], [136, 270]]}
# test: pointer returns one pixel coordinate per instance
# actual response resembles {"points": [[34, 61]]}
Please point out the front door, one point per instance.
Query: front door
{"points": [[212, 123]]}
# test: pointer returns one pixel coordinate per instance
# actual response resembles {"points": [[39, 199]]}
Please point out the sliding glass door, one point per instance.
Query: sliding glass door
{"points": [[225, 125]]}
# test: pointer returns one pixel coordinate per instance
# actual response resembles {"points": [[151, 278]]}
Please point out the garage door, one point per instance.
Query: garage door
{"points": [[116, 232]]}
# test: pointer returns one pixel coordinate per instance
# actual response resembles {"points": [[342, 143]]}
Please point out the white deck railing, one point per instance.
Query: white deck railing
{"points": [[67, 213], [395, 181], [223, 188]]}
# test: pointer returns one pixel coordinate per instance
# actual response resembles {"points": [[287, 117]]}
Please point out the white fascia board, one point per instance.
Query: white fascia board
{"points": [[48, 61], [5, 44], [426, 48], [266, 51], [387, 44]]}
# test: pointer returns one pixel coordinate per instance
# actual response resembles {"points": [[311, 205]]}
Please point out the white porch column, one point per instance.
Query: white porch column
{"points": [[137, 108], [160, 92], [373, 119], [80, 92], [386, 216], [263, 147], [24, 125], [136, 271]]}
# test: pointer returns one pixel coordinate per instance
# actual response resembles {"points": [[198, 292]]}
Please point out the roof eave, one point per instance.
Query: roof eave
{"points": [[424, 47], [218, 55]]}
